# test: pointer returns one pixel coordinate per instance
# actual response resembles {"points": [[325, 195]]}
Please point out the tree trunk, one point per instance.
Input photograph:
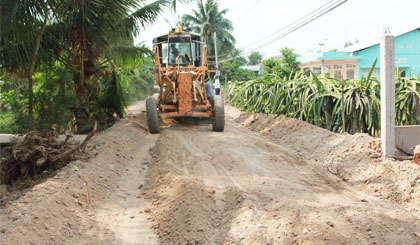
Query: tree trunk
{"points": [[31, 69], [81, 111], [81, 83], [328, 114], [355, 124]]}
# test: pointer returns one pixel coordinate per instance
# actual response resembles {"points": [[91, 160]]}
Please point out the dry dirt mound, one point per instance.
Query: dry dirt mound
{"points": [[238, 187], [56, 211], [286, 183], [183, 204], [357, 159]]}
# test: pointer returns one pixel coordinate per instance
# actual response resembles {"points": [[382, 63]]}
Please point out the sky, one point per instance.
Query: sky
{"points": [[253, 20]]}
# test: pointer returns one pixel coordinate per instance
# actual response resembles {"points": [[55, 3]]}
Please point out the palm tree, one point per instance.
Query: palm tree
{"points": [[206, 20], [83, 35], [96, 33], [23, 23], [178, 21]]}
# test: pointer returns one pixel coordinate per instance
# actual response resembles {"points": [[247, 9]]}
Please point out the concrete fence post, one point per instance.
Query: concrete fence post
{"points": [[387, 71]]}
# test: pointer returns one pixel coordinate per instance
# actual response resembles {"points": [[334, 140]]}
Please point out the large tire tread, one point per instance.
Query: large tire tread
{"points": [[152, 115], [219, 114]]}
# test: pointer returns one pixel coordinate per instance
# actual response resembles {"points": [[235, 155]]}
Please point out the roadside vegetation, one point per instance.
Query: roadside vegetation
{"points": [[71, 63], [55, 97], [326, 102]]}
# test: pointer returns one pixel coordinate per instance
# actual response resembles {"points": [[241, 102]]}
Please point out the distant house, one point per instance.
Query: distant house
{"points": [[355, 61], [258, 68], [330, 64], [407, 54]]}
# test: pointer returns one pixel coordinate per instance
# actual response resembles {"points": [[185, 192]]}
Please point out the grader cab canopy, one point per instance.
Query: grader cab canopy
{"points": [[181, 71]]}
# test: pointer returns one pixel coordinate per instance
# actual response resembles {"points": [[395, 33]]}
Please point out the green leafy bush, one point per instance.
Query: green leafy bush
{"points": [[55, 97], [324, 101]]}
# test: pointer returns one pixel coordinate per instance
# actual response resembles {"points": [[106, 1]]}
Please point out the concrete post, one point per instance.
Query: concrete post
{"points": [[387, 94]]}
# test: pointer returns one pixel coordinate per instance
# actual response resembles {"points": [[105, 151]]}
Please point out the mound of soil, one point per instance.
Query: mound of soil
{"points": [[357, 159], [243, 187], [56, 210], [271, 181], [182, 204]]}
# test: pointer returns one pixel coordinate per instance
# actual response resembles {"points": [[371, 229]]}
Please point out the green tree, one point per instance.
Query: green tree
{"points": [[174, 3], [230, 67], [274, 67], [233, 72], [178, 21], [289, 60], [283, 68], [206, 20], [236, 56], [254, 58], [85, 36], [101, 31], [23, 23]]}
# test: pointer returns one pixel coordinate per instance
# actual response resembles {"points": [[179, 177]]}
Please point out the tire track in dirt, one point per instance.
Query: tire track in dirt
{"points": [[237, 187], [122, 213], [227, 192], [183, 201], [207, 165], [203, 187]]}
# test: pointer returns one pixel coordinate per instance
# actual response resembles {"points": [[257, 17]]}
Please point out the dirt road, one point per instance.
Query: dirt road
{"points": [[264, 180]]}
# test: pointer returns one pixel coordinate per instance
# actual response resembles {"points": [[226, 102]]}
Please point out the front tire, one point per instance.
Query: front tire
{"points": [[152, 115], [219, 114]]}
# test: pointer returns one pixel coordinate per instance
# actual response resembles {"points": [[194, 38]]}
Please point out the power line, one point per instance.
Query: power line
{"points": [[283, 28], [249, 10], [315, 14], [292, 29], [320, 9], [286, 32]]}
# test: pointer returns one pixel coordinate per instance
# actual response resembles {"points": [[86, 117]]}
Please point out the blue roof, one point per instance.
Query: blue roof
{"points": [[307, 58], [373, 42], [339, 55]]}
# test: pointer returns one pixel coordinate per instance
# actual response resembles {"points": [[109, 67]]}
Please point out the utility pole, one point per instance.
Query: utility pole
{"points": [[343, 114], [387, 55], [215, 50]]}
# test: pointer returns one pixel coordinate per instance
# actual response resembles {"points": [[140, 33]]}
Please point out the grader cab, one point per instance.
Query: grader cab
{"points": [[181, 72]]}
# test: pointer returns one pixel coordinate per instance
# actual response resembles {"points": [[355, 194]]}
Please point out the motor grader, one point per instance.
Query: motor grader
{"points": [[180, 71]]}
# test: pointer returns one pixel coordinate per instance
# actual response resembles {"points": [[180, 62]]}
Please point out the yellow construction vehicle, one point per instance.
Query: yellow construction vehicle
{"points": [[181, 72]]}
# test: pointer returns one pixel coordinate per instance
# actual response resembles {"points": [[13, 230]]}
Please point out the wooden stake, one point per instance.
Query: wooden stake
{"points": [[87, 192], [86, 189]]}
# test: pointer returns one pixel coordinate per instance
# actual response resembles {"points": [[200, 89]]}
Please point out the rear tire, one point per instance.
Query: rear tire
{"points": [[152, 115], [219, 114]]}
